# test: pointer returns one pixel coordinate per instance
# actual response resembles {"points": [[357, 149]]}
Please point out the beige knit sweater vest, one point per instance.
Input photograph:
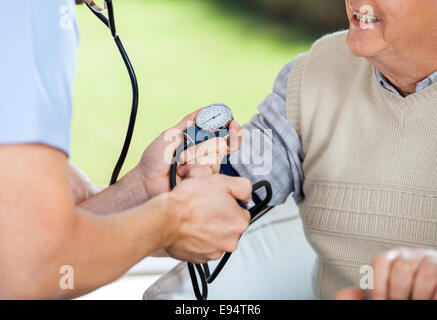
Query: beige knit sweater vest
{"points": [[370, 162]]}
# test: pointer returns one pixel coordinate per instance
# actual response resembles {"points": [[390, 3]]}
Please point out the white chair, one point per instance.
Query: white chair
{"points": [[273, 261]]}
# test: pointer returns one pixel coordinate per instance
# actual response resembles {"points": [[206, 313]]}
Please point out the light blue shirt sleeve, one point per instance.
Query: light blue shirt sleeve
{"points": [[37, 66]]}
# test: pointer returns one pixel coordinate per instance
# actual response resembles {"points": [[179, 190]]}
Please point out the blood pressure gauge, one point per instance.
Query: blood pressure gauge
{"points": [[212, 121], [214, 117]]}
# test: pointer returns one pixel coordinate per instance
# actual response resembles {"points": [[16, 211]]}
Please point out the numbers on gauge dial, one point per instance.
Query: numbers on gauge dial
{"points": [[214, 117]]}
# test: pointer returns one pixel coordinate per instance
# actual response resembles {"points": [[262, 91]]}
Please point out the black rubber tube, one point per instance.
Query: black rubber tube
{"points": [[110, 24]]}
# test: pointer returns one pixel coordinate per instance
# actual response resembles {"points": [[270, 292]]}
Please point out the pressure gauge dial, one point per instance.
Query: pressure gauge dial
{"points": [[214, 117]]}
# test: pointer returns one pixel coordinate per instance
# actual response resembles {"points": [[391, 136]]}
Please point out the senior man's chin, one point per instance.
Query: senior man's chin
{"points": [[364, 42]]}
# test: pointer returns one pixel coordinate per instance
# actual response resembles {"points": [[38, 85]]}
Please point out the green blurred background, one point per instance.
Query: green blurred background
{"points": [[187, 54]]}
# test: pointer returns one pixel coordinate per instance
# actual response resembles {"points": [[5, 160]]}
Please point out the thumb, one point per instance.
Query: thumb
{"points": [[235, 137], [354, 293]]}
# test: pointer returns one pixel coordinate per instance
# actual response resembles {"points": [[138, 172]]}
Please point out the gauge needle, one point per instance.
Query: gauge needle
{"points": [[213, 118]]}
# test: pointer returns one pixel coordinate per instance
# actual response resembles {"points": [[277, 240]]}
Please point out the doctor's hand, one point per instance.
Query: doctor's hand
{"points": [[208, 219], [152, 172], [207, 157], [400, 274]]}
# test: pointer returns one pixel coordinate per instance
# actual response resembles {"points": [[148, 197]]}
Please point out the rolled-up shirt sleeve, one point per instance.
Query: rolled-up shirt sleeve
{"points": [[271, 148], [37, 65]]}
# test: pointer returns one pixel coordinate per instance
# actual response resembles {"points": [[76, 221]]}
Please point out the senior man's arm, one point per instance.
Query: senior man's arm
{"points": [[272, 149]]}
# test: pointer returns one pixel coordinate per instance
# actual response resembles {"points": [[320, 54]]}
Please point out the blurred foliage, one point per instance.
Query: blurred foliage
{"points": [[321, 16], [187, 54]]}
